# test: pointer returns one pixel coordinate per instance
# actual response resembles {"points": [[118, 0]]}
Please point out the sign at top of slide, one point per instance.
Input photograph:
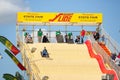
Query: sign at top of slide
{"points": [[58, 17], [36, 17]]}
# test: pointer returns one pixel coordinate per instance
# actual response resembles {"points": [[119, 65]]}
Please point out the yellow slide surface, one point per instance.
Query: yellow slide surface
{"points": [[66, 62]]}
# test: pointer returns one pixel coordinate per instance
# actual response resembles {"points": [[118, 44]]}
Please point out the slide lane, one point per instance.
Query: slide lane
{"points": [[67, 61]]}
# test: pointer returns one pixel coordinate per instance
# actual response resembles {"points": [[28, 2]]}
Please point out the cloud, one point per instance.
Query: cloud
{"points": [[9, 8]]}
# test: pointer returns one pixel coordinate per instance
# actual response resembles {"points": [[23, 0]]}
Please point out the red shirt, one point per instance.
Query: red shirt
{"points": [[83, 33], [118, 56]]}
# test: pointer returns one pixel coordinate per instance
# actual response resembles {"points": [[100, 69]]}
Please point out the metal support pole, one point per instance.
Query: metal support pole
{"points": [[49, 30], [82, 27], [17, 33], [66, 29], [33, 34], [23, 32]]}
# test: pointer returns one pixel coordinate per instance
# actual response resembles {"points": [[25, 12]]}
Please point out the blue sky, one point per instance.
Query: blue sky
{"points": [[109, 8]]}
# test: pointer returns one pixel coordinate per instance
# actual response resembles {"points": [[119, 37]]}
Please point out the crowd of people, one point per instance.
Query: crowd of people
{"points": [[68, 37], [41, 37]]}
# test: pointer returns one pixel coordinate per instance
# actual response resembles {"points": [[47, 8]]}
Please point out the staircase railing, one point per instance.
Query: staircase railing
{"points": [[26, 61], [110, 42]]}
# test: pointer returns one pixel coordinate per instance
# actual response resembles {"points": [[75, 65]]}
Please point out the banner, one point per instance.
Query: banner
{"points": [[31, 17], [15, 60], [9, 45]]}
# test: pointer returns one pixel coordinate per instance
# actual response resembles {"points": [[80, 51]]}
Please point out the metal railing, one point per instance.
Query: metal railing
{"points": [[26, 61], [110, 42], [51, 35]]}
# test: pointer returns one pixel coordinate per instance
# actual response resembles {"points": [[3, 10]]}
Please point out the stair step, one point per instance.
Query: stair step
{"points": [[105, 48]]}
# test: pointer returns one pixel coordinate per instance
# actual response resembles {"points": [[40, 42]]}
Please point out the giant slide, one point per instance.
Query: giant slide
{"points": [[66, 62]]}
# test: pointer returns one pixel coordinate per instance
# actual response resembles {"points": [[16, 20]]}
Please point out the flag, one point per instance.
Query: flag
{"points": [[9, 77], [15, 60], [9, 45]]}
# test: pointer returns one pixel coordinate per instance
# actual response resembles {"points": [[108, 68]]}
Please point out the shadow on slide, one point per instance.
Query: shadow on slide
{"points": [[99, 58]]}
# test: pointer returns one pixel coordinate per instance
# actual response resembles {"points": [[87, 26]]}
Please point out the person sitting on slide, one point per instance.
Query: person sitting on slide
{"points": [[44, 53]]}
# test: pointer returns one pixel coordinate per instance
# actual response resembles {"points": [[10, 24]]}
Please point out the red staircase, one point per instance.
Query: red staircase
{"points": [[105, 48]]}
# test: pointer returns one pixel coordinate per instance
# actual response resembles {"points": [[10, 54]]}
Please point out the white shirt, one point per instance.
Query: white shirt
{"points": [[117, 60]]}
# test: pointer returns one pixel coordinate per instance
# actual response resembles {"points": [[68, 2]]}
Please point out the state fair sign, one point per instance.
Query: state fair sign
{"points": [[58, 17]]}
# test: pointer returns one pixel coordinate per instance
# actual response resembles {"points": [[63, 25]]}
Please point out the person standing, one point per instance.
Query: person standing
{"points": [[40, 33], [97, 36], [70, 35], [58, 33], [82, 35], [66, 38], [103, 39], [117, 60], [26, 37]]}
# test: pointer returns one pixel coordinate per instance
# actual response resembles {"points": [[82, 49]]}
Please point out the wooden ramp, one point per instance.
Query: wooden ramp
{"points": [[66, 62]]}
